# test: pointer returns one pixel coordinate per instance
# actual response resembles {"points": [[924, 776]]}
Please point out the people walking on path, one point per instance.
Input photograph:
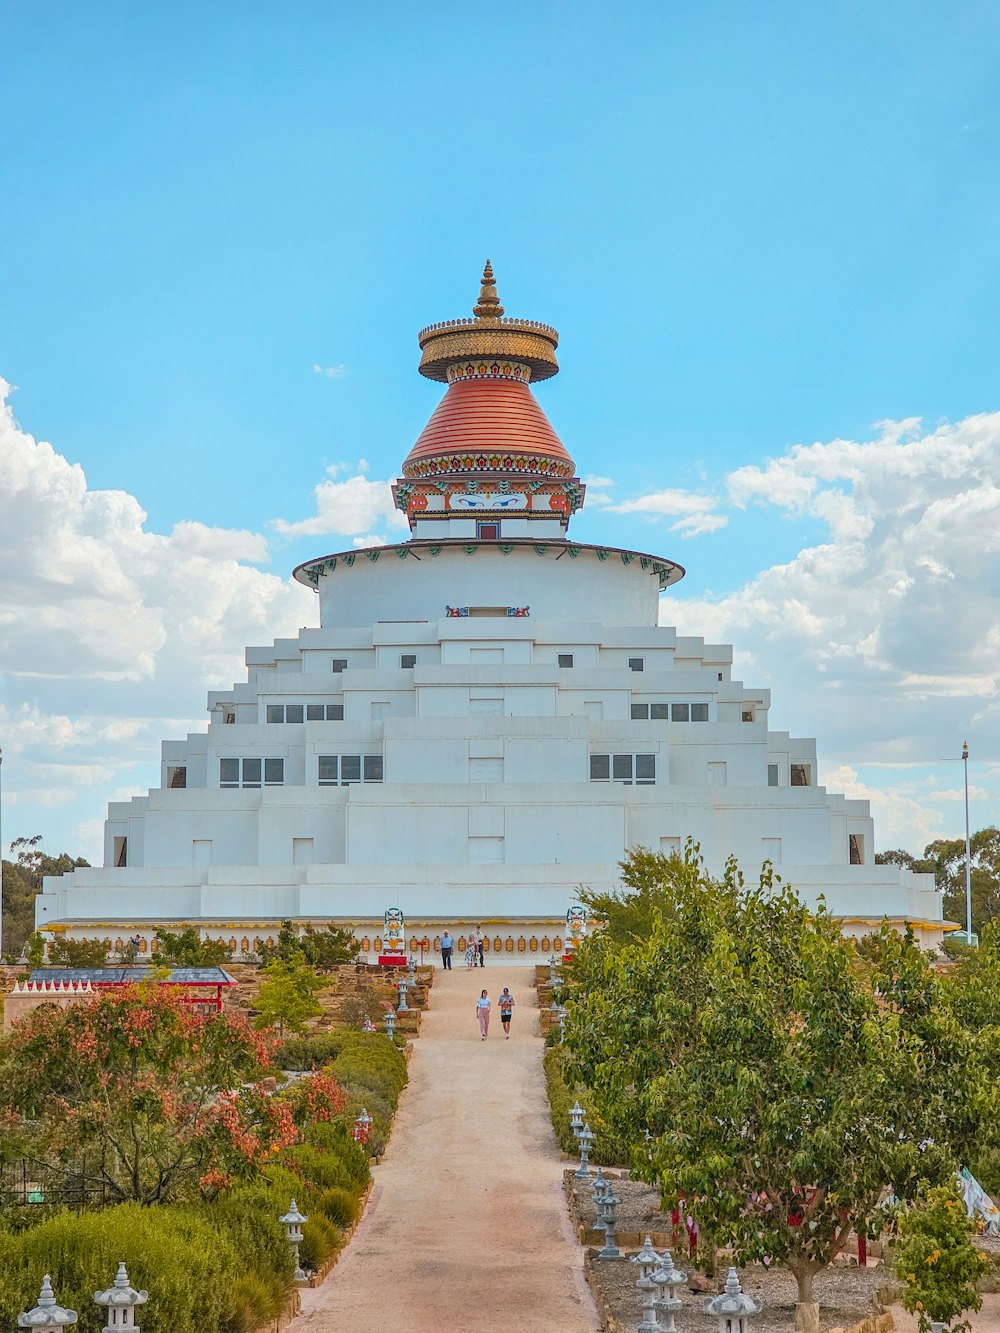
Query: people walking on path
{"points": [[470, 952], [479, 946], [447, 944], [506, 1006], [483, 1012]]}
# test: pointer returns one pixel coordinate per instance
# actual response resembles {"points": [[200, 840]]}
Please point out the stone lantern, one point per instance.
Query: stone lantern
{"points": [[575, 1114], [120, 1301], [292, 1222], [411, 969], [362, 1130], [733, 1307], [553, 964], [390, 1024], [667, 1279], [648, 1261], [402, 1007], [585, 1138], [610, 1202], [46, 1316]]}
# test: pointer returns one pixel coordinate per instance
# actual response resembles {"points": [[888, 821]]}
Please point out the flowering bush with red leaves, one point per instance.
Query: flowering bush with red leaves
{"points": [[137, 1094]]}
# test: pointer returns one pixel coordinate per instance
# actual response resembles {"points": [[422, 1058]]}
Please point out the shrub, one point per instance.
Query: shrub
{"points": [[607, 1150], [309, 1052], [320, 1238], [340, 1206]]}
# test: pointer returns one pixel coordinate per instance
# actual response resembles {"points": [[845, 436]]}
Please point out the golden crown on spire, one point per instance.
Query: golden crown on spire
{"points": [[488, 306], [488, 337]]}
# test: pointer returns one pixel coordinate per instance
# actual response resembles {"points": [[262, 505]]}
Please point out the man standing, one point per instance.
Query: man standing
{"points": [[447, 944], [479, 946]]}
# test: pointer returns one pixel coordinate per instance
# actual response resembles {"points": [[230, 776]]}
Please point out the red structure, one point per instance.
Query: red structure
{"points": [[201, 987]]}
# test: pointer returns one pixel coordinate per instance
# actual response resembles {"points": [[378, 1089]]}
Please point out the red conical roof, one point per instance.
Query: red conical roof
{"points": [[488, 425]]}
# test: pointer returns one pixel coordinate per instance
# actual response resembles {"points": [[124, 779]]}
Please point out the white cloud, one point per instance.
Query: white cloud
{"points": [[695, 514], [347, 508], [219, 543], [370, 539], [330, 372]]}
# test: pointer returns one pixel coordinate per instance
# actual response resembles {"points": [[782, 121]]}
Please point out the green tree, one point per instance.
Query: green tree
{"points": [[188, 949], [22, 881], [937, 1261], [287, 999], [77, 953], [322, 949], [782, 1084], [945, 860]]}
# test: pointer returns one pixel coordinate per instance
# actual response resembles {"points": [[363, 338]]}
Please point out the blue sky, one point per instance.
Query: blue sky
{"points": [[756, 228]]}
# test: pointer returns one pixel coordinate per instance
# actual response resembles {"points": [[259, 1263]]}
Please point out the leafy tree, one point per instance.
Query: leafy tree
{"points": [[322, 949], [22, 881], [77, 953], [287, 998], [188, 949], [781, 1083], [134, 1092], [945, 860], [937, 1260]]}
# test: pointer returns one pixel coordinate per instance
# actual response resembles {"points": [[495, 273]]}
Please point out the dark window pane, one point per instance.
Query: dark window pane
{"points": [[565, 659], [659, 712], [373, 768], [636, 663], [600, 767], [639, 712], [275, 712], [229, 772], [335, 712], [315, 712], [772, 775], [645, 769], [339, 664], [350, 768], [407, 660], [274, 772], [294, 712], [621, 768], [680, 712], [251, 772], [800, 775], [328, 770], [699, 712]]}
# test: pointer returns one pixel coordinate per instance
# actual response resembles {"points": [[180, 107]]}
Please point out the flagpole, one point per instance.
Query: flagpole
{"points": [[968, 857]]}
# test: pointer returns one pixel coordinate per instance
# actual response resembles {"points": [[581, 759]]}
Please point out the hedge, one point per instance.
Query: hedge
{"points": [[607, 1150]]}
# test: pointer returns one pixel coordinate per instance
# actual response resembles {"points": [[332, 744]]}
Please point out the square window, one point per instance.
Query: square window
{"points": [[621, 768], [251, 772], [645, 770], [407, 660], [274, 772], [177, 775], [636, 664], [565, 659], [293, 713], [339, 665], [229, 772], [328, 770], [275, 712], [335, 712], [639, 712], [373, 767], [315, 712], [488, 532], [746, 715], [680, 712], [659, 712], [350, 769], [772, 775], [801, 775], [600, 767], [699, 712]]}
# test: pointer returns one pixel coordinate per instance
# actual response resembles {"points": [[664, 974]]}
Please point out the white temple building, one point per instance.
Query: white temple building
{"points": [[487, 718]]}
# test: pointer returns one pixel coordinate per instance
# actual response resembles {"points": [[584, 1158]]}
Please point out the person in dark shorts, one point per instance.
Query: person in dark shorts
{"points": [[506, 1006]]}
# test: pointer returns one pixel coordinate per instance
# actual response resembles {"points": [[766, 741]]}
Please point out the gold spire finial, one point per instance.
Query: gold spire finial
{"points": [[488, 306]]}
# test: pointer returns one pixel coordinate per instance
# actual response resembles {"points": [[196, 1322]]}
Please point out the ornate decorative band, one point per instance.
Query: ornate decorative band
{"points": [[489, 370], [529, 464]]}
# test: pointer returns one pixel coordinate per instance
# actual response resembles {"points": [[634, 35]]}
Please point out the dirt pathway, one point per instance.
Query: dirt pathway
{"points": [[467, 1229]]}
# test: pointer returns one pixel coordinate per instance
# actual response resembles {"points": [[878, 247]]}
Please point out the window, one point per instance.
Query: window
{"points": [[680, 712], [228, 716], [639, 712], [327, 712], [343, 770], [659, 712], [663, 712], [275, 712], [699, 712], [565, 659], [488, 532], [636, 664], [119, 851], [339, 664], [177, 775], [637, 769], [248, 772], [407, 661], [747, 714], [380, 710], [801, 775], [294, 713], [717, 775], [772, 775], [305, 712], [856, 849]]}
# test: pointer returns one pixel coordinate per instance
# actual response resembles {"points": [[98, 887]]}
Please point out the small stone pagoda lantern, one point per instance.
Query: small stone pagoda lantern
{"points": [[292, 1222], [648, 1261], [667, 1279], [575, 1114], [733, 1307], [46, 1316], [121, 1300]]}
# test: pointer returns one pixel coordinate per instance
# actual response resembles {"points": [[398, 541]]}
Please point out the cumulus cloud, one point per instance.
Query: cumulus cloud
{"points": [[349, 507], [885, 634], [330, 372], [694, 513]]}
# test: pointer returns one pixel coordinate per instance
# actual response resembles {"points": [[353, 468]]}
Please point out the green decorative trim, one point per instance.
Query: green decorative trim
{"points": [[541, 550], [434, 550], [602, 555], [505, 549], [572, 551], [372, 553], [402, 551], [627, 557], [471, 548], [348, 559]]}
